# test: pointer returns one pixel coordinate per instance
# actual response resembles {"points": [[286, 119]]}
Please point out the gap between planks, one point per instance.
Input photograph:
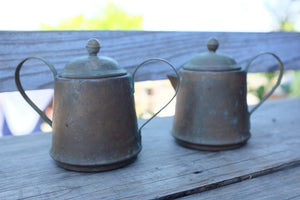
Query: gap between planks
{"points": [[273, 169]]}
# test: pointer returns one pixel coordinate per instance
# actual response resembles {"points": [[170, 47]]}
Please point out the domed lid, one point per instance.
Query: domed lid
{"points": [[212, 61], [92, 66]]}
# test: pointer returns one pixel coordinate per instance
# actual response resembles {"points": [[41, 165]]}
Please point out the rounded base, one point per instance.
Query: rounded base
{"points": [[210, 147], [96, 168]]}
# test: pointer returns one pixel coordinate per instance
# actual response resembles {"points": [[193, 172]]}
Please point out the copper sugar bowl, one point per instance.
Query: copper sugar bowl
{"points": [[211, 107], [94, 124]]}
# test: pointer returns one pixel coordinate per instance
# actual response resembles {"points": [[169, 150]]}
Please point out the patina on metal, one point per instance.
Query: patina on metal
{"points": [[94, 119], [211, 106]]}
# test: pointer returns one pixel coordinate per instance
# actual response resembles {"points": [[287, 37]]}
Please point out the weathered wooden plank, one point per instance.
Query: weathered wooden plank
{"points": [[282, 185], [130, 48], [163, 168]]}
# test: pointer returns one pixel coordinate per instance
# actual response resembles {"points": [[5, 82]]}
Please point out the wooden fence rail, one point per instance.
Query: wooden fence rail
{"points": [[130, 48]]}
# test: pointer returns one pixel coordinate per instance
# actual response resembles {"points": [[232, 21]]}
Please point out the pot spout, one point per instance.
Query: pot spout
{"points": [[173, 79]]}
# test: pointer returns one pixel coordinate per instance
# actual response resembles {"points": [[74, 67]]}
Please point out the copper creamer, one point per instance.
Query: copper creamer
{"points": [[211, 107], [94, 119]]}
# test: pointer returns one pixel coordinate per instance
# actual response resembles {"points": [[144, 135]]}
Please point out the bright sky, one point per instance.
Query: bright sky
{"points": [[188, 15]]}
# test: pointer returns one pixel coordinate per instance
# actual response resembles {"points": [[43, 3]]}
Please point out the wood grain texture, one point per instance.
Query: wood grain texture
{"points": [[163, 170], [130, 48], [282, 185]]}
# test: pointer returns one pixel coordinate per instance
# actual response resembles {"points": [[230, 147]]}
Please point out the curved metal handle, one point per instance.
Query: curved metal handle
{"points": [[21, 90], [176, 91], [278, 80]]}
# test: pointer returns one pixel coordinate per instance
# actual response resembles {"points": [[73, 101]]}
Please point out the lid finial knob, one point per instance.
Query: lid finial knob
{"points": [[93, 47], [212, 45]]}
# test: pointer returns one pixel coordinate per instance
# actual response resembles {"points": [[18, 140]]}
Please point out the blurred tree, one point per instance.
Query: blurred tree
{"points": [[285, 15], [109, 18]]}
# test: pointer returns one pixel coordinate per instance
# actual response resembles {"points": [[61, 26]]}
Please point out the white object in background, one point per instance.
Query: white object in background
{"points": [[20, 116]]}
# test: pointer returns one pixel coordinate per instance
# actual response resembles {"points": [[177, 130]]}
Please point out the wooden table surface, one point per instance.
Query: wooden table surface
{"points": [[268, 166]]}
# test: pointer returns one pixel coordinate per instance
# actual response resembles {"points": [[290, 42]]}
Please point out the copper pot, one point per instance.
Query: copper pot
{"points": [[211, 106], [94, 124]]}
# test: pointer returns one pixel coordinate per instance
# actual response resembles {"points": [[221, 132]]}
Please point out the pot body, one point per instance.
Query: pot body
{"points": [[94, 123], [211, 110]]}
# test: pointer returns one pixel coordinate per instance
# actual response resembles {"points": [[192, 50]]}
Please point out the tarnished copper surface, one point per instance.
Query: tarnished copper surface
{"points": [[92, 66], [211, 108], [95, 125], [94, 119]]}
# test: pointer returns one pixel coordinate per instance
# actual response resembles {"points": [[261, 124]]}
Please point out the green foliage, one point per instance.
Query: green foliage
{"points": [[110, 18], [260, 92], [261, 83], [287, 26], [295, 85], [270, 75], [266, 81], [285, 22]]}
